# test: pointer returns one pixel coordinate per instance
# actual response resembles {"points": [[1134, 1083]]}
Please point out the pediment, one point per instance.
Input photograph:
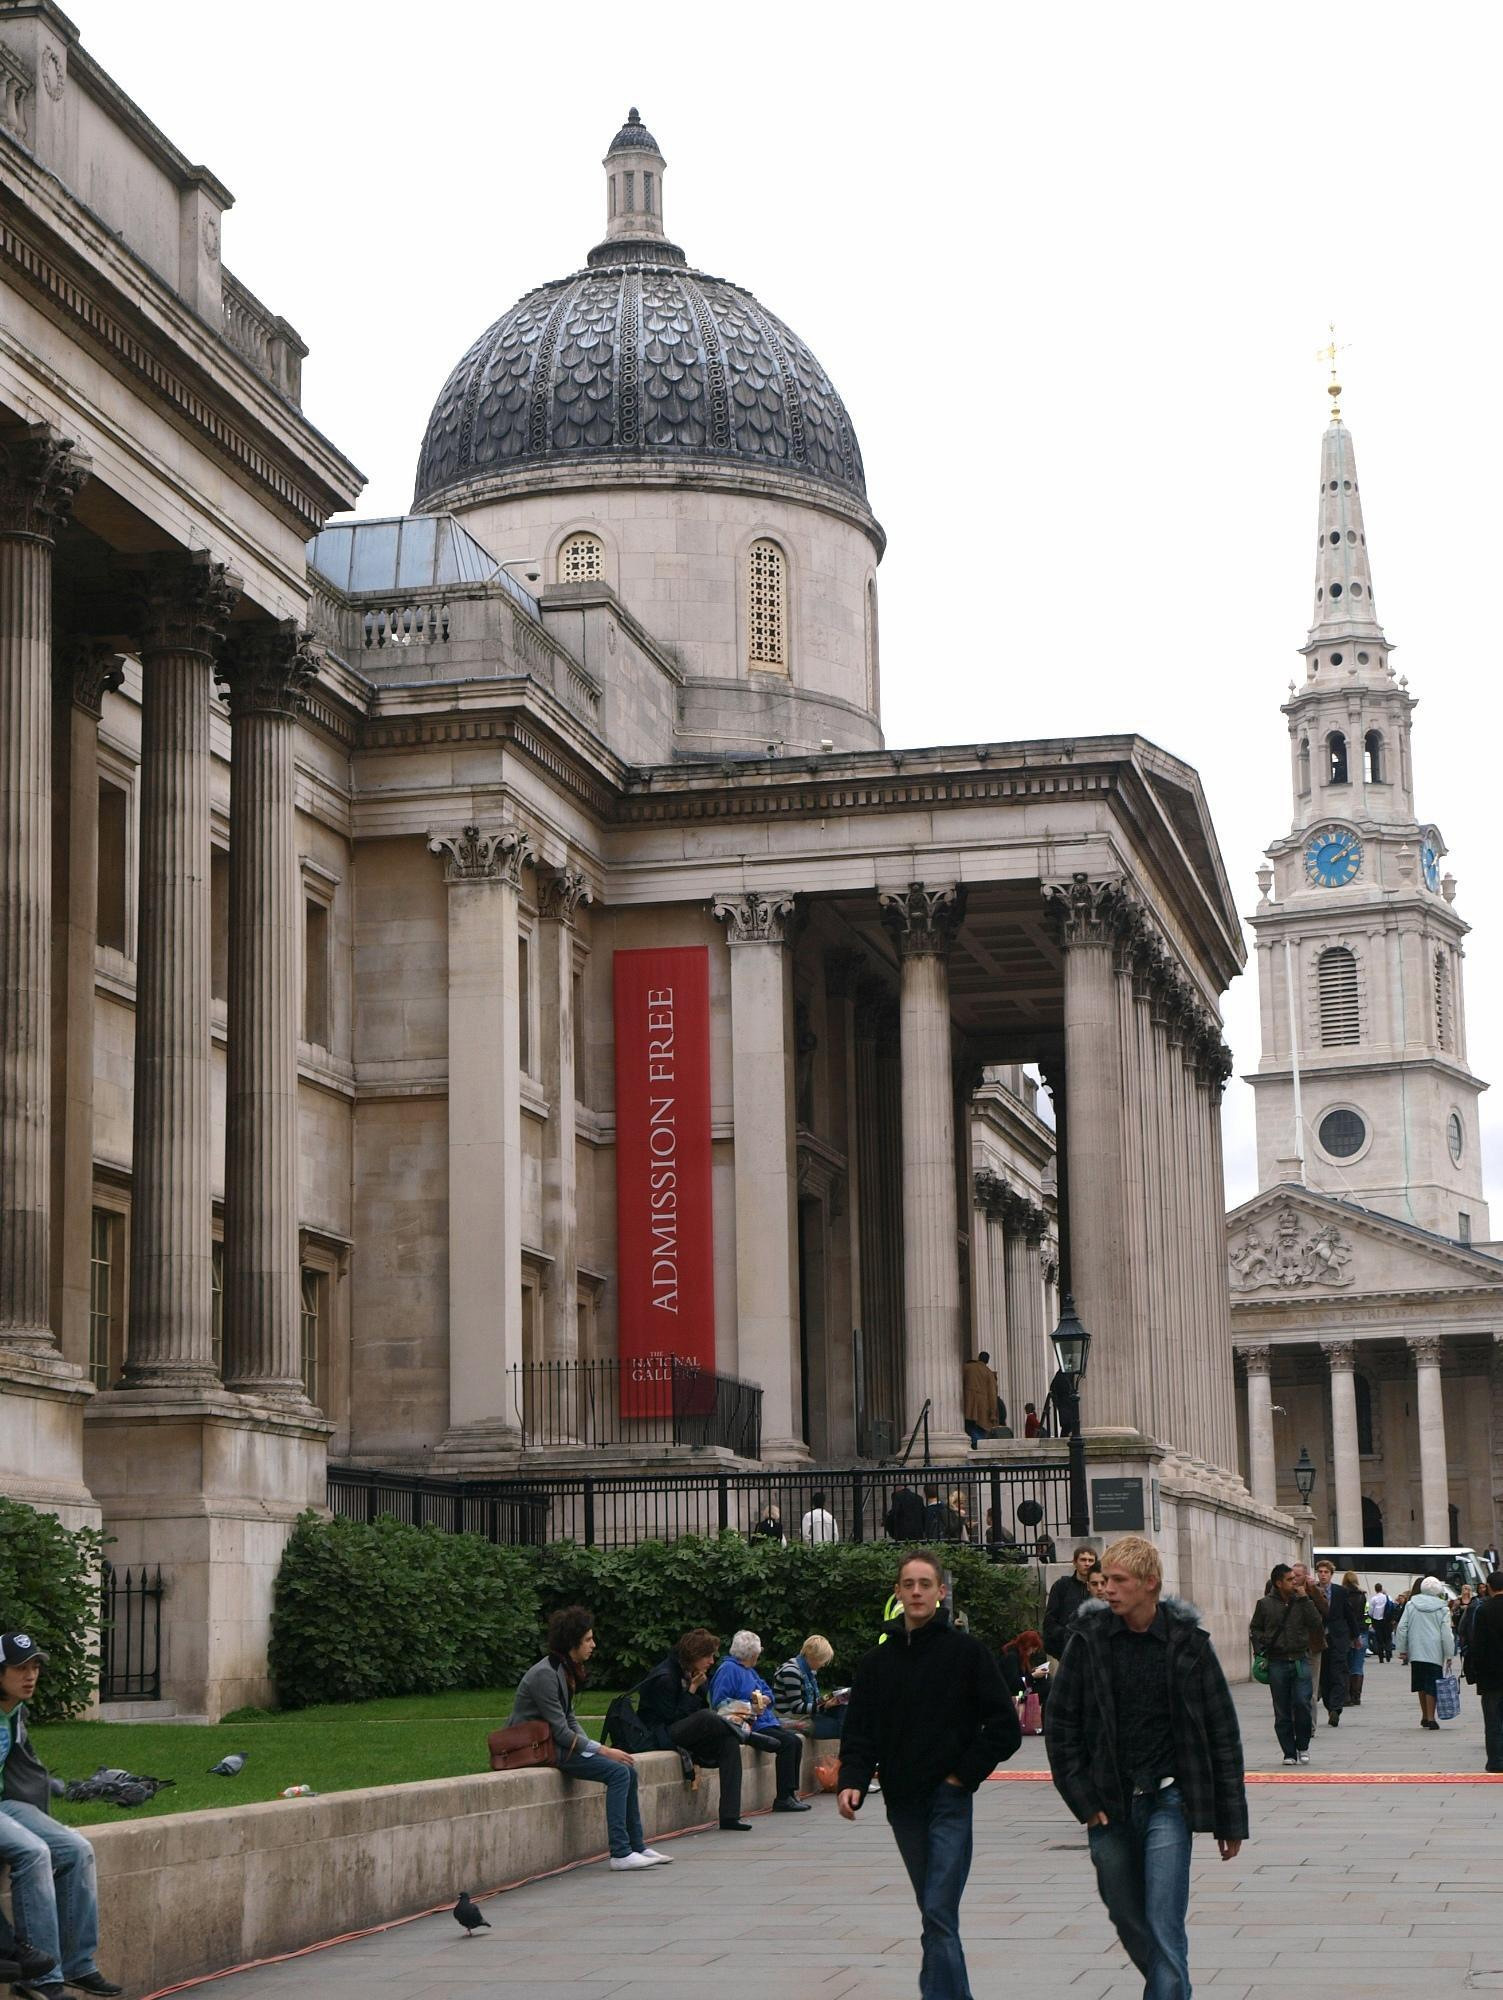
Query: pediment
{"points": [[1291, 1242]]}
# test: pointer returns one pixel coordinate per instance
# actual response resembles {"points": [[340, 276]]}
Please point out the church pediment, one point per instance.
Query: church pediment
{"points": [[1290, 1241]]}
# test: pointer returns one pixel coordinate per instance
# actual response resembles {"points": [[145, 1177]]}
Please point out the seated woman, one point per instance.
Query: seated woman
{"points": [[546, 1694], [673, 1704], [739, 1688], [795, 1690]]}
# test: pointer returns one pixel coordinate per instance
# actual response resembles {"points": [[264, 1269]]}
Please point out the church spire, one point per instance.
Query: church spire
{"points": [[1345, 641]]}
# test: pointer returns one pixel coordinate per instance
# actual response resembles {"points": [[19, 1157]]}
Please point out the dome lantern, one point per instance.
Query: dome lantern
{"points": [[633, 188]]}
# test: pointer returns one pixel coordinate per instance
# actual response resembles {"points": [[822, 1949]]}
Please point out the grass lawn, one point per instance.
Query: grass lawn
{"points": [[335, 1749]]}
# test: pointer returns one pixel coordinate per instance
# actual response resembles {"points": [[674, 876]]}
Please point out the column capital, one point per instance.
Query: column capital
{"points": [[561, 891], [923, 917], [474, 856], [751, 917], [40, 474], [1340, 1354], [1425, 1347], [183, 602], [268, 669], [85, 670], [1256, 1360], [1087, 912], [988, 1188]]}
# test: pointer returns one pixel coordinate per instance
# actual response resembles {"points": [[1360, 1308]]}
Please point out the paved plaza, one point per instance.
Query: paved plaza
{"points": [[1343, 1889]]}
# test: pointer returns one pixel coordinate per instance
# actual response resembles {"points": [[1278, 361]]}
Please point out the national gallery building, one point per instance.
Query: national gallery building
{"points": [[449, 956]]}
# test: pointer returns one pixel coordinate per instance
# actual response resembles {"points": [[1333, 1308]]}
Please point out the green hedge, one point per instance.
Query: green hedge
{"points": [[386, 1609], [49, 1587]]}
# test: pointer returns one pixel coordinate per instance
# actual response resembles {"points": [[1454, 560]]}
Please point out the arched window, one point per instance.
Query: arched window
{"points": [[1372, 757], [1336, 758], [767, 607], [1340, 1022], [1364, 1390], [873, 700], [581, 559], [1445, 1029], [1304, 766]]}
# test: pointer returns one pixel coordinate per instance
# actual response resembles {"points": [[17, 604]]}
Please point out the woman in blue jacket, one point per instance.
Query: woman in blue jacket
{"points": [[738, 1684]]}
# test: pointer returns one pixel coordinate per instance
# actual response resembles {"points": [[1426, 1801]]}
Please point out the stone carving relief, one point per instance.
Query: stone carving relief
{"points": [[560, 893], [15, 88], [84, 671], [52, 73], [753, 918], [268, 670], [474, 856], [1291, 1256]]}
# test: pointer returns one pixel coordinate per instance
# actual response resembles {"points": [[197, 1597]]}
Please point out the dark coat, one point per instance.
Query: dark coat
{"points": [[1286, 1631], [924, 1706], [1343, 1622], [1484, 1654], [905, 1516], [664, 1698], [26, 1782], [1080, 1725], [1066, 1595]]}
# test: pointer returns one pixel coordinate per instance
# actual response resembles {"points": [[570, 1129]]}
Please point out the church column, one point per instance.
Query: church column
{"points": [[924, 921], [1087, 914], [1435, 1491], [760, 929], [40, 473], [560, 893], [1262, 1471], [1341, 1361], [82, 674], [483, 871], [267, 670], [186, 605]]}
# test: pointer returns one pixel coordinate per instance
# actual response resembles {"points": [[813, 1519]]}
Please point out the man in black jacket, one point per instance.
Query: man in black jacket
{"points": [[1483, 1667], [930, 1711], [1144, 1748], [1066, 1595], [1343, 1632]]}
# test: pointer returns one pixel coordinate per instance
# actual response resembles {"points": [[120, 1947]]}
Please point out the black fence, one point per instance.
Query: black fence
{"points": [[130, 1639], [601, 1403], [1016, 1513]]}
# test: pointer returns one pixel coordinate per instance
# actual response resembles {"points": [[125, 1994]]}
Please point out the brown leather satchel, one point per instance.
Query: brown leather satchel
{"points": [[521, 1745]]}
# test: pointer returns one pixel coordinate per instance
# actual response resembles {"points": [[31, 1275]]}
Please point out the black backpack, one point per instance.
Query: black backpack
{"points": [[624, 1728]]}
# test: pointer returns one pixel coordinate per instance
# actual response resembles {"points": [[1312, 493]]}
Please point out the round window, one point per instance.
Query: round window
{"points": [[1455, 1134], [1342, 1133]]}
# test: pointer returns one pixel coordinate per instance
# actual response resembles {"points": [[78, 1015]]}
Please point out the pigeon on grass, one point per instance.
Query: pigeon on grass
{"points": [[468, 1915]]}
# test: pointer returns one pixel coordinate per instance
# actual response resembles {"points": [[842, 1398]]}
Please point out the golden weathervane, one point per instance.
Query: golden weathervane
{"points": [[1329, 353]]}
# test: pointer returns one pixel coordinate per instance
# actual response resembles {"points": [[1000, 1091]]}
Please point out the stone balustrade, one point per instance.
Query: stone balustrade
{"points": [[263, 338]]}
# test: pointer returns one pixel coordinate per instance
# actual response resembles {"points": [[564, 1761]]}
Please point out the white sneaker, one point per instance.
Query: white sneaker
{"points": [[631, 1861], [1304, 1756], [1291, 1760], [658, 1860]]}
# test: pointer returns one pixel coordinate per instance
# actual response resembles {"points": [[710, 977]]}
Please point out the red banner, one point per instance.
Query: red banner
{"points": [[665, 1257]]}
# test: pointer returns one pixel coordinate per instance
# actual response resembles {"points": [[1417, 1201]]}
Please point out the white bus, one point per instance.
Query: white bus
{"points": [[1395, 1569]]}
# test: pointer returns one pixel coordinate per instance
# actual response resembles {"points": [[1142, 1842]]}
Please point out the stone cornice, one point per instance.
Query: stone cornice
{"points": [[874, 781]]}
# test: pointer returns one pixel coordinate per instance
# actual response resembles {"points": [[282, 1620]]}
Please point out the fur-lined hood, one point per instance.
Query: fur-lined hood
{"points": [[1178, 1610]]}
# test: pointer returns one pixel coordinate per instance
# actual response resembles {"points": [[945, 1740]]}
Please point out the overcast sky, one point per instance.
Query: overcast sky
{"points": [[1069, 267]]}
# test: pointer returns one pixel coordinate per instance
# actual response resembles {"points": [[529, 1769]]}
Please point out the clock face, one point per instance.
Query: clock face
{"points": [[1431, 859], [1332, 857]]}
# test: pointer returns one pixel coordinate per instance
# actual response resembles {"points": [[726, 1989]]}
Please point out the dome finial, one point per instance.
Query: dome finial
{"points": [[1333, 388], [634, 184]]}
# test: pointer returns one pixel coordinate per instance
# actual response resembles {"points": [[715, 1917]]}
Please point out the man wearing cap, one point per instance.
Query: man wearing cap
{"points": [[53, 1893]]}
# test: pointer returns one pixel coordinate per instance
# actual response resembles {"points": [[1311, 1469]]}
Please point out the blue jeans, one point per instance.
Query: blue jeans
{"points": [[623, 1817], [53, 1895], [1289, 1684], [934, 1840], [1143, 1872]]}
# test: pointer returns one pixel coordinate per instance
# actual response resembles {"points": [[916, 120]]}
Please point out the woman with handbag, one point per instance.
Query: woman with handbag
{"points": [[1425, 1640], [673, 1706], [546, 1694]]}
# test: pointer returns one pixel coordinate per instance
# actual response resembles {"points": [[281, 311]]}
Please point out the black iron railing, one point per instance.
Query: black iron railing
{"points": [[1007, 1509], [130, 1639], [599, 1403]]}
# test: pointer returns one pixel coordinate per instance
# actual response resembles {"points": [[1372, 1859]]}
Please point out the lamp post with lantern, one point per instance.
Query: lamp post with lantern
{"points": [[1072, 1350]]}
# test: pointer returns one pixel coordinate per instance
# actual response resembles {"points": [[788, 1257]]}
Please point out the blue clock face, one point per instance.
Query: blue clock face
{"points": [[1333, 857], [1431, 859]]}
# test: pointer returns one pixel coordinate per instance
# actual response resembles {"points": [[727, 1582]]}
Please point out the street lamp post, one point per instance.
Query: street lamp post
{"points": [[1072, 1350], [1304, 1476]]}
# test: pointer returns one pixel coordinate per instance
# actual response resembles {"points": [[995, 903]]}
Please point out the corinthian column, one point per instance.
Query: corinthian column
{"points": [[1263, 1475], [1341, 1361], [484, 872], [1434, 1480], [82, 673], [560, 893], [40, 473], [924, 920], [186, 604], [759, 930], [1088, 915], [267, 673]]}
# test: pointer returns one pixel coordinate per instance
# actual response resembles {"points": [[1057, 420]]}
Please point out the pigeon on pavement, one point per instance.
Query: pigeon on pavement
{"points": [[466, 1913]]}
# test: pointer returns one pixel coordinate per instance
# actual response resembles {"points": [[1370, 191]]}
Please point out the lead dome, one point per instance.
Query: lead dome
{"points": [[637, 357]]}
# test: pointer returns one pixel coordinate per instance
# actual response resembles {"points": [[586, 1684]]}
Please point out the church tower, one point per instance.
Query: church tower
{"points": [[1363, 1090]]}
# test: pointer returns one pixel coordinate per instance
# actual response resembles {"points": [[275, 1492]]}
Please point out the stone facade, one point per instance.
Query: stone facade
{"points": [[1367, 1302], [350, 826]]}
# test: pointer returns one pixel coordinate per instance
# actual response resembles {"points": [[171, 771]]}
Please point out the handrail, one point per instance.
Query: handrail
{"points": [[921, 1418]]}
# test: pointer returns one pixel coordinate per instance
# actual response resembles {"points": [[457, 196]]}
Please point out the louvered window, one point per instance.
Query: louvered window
{"points": [[1444, 1027], [1340, 1024], [581, 559], [767, 607]]}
